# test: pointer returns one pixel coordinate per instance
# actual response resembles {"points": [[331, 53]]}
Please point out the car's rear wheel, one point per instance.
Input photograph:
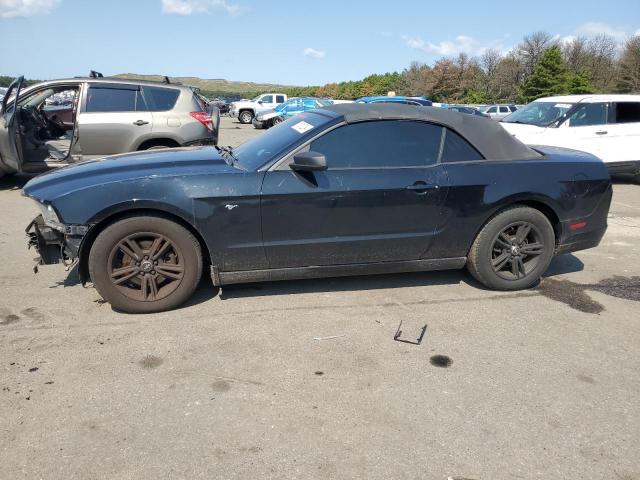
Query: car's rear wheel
{"points": [[145, 264], [245, 116], [276, 121], [513, 249]]}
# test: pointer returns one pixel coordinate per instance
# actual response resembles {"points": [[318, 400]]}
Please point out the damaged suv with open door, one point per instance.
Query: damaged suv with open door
{"points": [[97, 117]]}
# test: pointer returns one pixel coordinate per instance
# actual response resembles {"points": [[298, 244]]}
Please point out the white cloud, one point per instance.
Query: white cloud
{"points": [[27, 8], [599, 28], [461, 44], [563, 40], [188, 7], [313, 53]]}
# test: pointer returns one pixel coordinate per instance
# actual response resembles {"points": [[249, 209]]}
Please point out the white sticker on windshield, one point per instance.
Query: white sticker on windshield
{"points": [[562, 105], [302, 127]]}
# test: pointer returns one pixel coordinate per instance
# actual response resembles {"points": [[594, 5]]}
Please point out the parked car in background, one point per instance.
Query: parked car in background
{"points": [[221, 105], [468, 110], [342, 190], [498, 112], [293, 106], [105, 117], [607, 126], [245, 110], [416, 101]]}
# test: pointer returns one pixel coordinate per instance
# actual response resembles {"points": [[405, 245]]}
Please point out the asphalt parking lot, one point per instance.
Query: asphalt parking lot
{"points": [[304, 379]]}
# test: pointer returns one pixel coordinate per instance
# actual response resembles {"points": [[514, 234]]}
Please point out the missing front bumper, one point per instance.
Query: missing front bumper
{"points": [[53, 246]]}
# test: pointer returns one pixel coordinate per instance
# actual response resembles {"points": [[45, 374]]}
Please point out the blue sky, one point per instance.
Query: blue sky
{"points": [[285, 41]]}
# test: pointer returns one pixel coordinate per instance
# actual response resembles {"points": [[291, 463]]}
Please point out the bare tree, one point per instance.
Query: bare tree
{"points": [[531, 49], [602, 52], [576, 54], [629, 68]]}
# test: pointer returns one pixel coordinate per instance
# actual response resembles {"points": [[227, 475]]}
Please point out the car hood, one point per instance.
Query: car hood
{"points": [[521, 129], [127, 167], [267, 114]]}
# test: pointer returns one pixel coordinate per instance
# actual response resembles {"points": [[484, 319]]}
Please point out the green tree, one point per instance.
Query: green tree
{"points": [[550, 76], [578, 82]]}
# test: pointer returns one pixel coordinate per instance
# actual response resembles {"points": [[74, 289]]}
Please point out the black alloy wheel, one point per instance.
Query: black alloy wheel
{"points": [[513, 249], [516, 250]]}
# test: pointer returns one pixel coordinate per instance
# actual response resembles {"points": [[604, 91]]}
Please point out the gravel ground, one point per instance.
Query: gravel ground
{"points": [[303, 379]]}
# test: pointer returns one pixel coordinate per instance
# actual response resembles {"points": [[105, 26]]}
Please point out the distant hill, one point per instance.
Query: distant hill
{"points": [[217, 85]]}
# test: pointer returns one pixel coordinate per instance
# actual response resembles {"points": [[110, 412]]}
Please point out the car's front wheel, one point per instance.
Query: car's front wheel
{"points": [[245, 116], [145, 264], [513, 249]]}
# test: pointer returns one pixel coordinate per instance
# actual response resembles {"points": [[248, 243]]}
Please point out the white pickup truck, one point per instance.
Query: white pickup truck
{"points": [[245, 110]]}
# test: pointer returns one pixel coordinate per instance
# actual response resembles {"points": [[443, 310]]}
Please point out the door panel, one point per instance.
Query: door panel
{"points": [[349, 216], [112, 119], [624, 132], [378, 201], [10, 150], [585, 130]]}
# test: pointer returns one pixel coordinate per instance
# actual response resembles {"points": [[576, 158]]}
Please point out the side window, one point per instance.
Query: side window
{"points": [[161, 99], [267, 99], [113, 100], [279, 98], [504, 110], [627, 112], [589, 114], [457, 149], [513, 108], [492, 110], [385, 143]]}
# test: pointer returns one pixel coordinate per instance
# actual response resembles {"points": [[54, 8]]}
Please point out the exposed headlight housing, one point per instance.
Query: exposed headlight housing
{"points": [[51, 217]]}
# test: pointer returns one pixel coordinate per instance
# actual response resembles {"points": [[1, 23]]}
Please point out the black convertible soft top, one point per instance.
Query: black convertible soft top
{"points": [[489, 138]]}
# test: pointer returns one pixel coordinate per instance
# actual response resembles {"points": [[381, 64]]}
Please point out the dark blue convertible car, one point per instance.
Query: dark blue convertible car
{"points": [[348, 189]]}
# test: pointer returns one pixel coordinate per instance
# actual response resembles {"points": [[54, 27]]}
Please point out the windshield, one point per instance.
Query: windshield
{"points": [[277, 140], [284, 105], [541, 114]]}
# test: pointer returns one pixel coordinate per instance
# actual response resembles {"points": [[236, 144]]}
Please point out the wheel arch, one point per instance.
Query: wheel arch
{"points": [[151, 142], [541, 204], [107, 218]]}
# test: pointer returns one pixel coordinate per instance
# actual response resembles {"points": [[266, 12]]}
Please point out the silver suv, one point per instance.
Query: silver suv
{"points": [[64, 121]]}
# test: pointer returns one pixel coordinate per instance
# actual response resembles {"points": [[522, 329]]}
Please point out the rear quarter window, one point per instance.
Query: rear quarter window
{"points": [[160, 99], [627, 112], [457, 149]]}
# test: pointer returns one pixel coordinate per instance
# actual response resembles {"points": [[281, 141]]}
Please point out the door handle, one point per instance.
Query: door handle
{"points": [[421, 187], [140, 123], [601, 132]]}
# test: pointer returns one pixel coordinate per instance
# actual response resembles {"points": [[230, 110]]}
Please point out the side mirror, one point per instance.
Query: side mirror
{"points": [[308, 162], [260, 102]]}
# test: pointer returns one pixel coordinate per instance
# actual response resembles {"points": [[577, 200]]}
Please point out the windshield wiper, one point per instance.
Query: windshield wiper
{"points": [[227, 155]]}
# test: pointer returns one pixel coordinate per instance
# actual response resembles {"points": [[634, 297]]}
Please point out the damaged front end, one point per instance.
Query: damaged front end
{"points": [[54, 242]]}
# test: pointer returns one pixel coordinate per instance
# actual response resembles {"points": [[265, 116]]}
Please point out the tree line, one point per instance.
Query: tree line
{"points": [[540, 65]]}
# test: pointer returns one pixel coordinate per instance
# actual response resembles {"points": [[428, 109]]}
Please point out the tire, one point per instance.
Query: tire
{"points": [[245, 116], [276, 121], [161, 253], [502, 257]]}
